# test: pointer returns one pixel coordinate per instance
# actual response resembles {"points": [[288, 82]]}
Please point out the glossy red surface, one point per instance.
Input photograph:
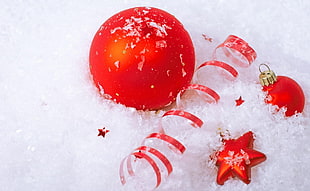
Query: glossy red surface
{"points": [[142, 57], [237, 158], [286, 92]]}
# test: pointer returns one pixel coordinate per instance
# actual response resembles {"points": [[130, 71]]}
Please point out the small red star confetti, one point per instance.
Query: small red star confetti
{"points": [[237, 158], [103, 132], [239, 101], [207, 38]]}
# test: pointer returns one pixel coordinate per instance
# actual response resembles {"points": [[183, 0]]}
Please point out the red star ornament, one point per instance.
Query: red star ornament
{"points": [[237, 158], [103, 132], [239, 101]]}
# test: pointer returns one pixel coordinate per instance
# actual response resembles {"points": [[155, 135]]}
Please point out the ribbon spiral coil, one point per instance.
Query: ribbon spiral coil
{"points": [[233, 50]]}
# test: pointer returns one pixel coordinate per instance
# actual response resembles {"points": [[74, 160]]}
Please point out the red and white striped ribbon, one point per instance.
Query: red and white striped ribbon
{"points": [[237, 51]]}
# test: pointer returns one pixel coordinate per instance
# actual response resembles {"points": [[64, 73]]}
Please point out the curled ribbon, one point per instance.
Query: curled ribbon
{"points": [[220, 64], [141, 153], [194, 121], [208, 92], [238, 52]]}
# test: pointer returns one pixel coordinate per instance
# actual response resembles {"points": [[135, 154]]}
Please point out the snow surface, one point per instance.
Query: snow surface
{"points": [[50, 110]]}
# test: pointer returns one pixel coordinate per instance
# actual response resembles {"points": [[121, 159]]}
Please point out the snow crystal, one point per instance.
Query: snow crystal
{"points": [[101, 90], [137, 20], [116, 63], [181, 59], [168, 72], [133, 32], [141, 63], [145, 12], [161, 29], [18, 130], [161, 44], [31, 148], [132, 27], [143, 51], [183, 72], [115, 29], [235, 159]]}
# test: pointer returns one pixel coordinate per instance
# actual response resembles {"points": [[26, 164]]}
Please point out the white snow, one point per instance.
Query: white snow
{"points": [[161, 44], [50, 110], [236, 159], [116, 63], [160, 30]]}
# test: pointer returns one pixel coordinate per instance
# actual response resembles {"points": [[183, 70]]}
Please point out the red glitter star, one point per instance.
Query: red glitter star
{"points": [[239, 101], [103, 132], [237, 158]]}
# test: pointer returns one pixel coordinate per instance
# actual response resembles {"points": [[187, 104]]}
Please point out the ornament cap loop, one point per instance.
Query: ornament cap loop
{"points": [[267, 77]]}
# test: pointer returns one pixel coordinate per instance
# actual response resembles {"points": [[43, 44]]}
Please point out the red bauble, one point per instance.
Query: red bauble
{"points": [[237, 158], [286, 93], [283, 92], [142, 57]]}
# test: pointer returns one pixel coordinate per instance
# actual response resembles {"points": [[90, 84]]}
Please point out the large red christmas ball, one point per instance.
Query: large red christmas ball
{"points": [[142, 57], [286, 92]]}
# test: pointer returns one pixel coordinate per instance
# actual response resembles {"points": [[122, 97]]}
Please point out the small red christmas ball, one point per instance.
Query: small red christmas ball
{"points": [[286, 92], [142, 57]]}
